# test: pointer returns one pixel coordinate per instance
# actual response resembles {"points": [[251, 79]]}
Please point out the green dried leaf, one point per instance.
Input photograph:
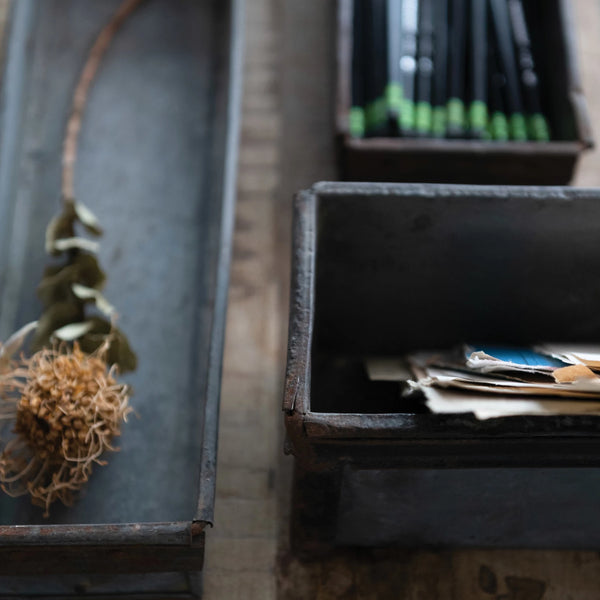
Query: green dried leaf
{"points": [[61, 226], [57, 287], [71, 332], [56, 283], [54, 317], [119, 352], [86, 293], [76, 243], [89, 272], [87, 218]]}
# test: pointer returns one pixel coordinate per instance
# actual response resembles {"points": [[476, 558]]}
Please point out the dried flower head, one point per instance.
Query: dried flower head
{"points": [[69, 407]]}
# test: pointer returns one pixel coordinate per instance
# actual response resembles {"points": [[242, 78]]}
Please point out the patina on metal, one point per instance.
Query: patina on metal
{"points": [[156, 163], [383, 269]]}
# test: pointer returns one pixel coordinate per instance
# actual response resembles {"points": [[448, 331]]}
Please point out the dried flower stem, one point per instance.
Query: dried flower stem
{"points": [[80, 95]]}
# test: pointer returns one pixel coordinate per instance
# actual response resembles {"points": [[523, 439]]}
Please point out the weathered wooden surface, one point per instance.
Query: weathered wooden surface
{"points": [[287, 146]]}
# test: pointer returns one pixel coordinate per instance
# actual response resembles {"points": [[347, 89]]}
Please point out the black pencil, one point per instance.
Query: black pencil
{"points": [[425, 69], [393, 91], [456, 84], [376, 67], [498, 123], [504, 41], [408, 64], [440, 72], [478, 110], [538, 126], [357, 110]]}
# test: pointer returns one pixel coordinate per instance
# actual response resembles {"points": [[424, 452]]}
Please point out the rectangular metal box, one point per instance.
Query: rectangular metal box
{"points": [[383, 269], [156, 163], [470, 161]]}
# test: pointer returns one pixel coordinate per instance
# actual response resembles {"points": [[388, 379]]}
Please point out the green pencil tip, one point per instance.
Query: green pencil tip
{"points": [[423, 118], [357, 122], [438, 127], [478, 118], [499, 127], [518, 127], [407, 115], [376, 114], [393, 98], [538, 128], [456, 113]]}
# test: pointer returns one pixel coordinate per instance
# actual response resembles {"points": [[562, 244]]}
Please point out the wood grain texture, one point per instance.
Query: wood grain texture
{"points": [[286, 146]]}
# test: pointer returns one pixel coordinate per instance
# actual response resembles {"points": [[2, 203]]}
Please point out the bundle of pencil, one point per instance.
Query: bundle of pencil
{"points": [[445, 69]]}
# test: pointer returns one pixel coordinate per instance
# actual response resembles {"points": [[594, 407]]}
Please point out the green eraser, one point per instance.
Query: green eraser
{"points": [[357, 121]]}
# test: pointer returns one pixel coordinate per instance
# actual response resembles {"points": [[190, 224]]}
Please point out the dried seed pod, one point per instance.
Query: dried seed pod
{"points": [[68, 410]]}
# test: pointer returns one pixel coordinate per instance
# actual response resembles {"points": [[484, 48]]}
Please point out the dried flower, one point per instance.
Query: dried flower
{"points": [[69, 407]]}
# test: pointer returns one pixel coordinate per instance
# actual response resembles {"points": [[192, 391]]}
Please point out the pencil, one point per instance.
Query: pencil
{"points": [[393, 91], [440, 71], [408, 64], [498, 123], [456, 84], [538, 126], [425, 69], [376, 67], [357, 110], [504, 41], [478, 110]]}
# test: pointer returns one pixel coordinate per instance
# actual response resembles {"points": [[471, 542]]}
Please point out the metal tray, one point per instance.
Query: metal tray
{"points": [[157, 165], [383, 269]]}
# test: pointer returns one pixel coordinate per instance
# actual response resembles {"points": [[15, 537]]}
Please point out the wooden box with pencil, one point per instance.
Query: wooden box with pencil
{"points": [[459, 91]]}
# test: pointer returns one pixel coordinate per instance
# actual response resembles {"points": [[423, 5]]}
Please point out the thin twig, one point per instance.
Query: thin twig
{"points": [[80, 95]]}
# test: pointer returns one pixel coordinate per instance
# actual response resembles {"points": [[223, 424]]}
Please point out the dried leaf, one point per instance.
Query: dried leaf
{"points": [[53, 318], [87, 293], [87, 218], [57, 287], [14, 343], [89, 272], [56, 283], [71, 332], [61, 226], [78, 243], [119, 352]]}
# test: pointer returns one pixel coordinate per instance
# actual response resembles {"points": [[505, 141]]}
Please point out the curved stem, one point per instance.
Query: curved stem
{"points": [[80, 95]]}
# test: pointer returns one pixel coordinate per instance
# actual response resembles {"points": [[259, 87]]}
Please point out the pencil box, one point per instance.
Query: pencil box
{"points": [[473, 161]]}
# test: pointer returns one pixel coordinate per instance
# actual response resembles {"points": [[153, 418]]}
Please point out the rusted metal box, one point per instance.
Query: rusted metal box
{"points": [[383, 269], [471, 161], [156, 163]]}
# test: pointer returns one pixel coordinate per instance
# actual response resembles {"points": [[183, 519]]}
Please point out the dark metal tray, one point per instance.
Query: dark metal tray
{"points": [[383, 269], [157, 164]]}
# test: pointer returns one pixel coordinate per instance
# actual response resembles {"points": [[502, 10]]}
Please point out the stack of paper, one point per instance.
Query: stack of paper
{"points": [[494, 381]]}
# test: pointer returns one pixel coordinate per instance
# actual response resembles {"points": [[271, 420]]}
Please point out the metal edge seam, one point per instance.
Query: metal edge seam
{"points": [[207, 482], [178, 533], [300, 327]]}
